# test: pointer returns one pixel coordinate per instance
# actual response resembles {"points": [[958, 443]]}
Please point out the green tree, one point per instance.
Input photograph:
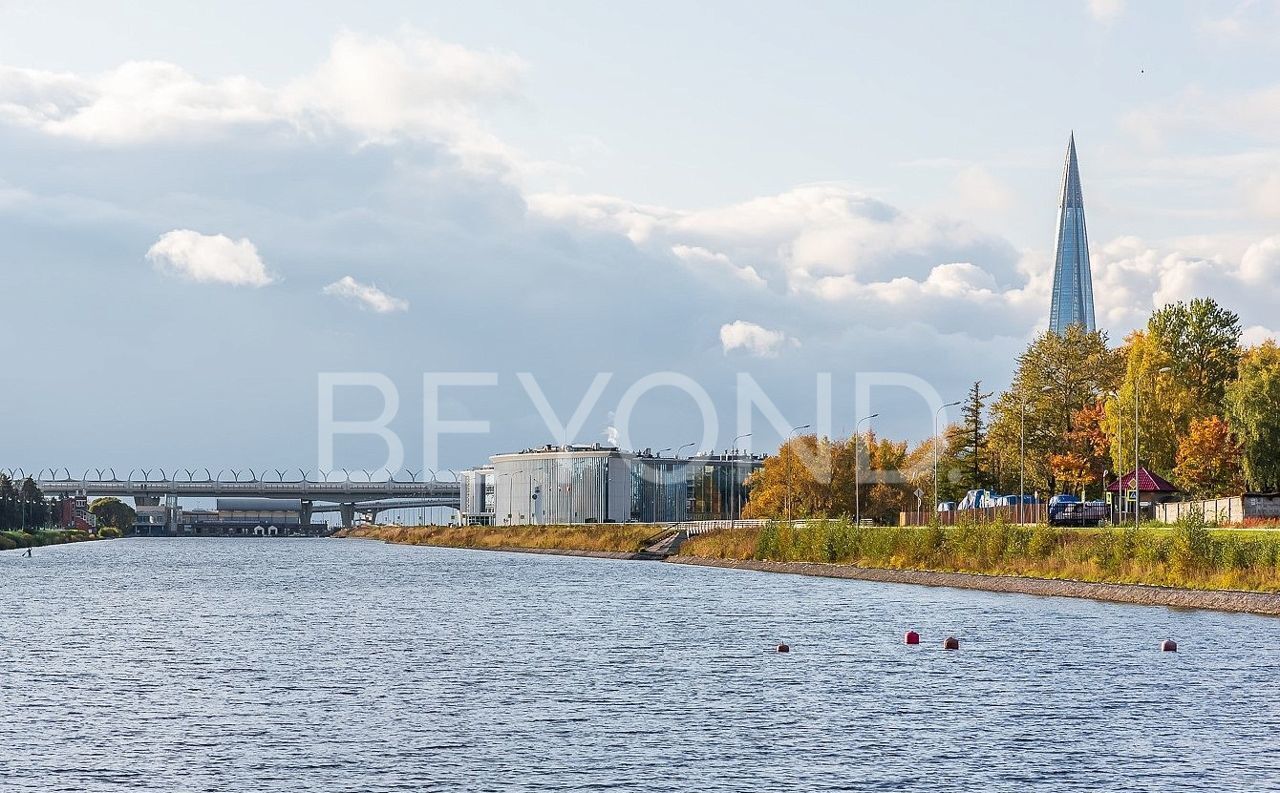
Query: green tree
{"points": [[1202, 343], [1057, 375], [111, 511], [971, 438], [1253, 412]]}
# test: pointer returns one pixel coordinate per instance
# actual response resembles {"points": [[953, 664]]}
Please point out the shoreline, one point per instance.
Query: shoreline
{"points": [[1236, 601], [1261, 603]]}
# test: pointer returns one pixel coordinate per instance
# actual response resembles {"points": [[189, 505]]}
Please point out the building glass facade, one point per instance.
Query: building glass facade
{"points": [[1072, 302]]}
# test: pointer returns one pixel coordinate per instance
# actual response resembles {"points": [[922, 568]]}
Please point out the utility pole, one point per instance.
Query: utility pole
{"points": [[857, 466], [794, 430]]}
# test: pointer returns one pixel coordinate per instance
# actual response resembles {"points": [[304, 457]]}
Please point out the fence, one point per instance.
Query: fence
{"points": [[1217, 510], [1026, 513]]}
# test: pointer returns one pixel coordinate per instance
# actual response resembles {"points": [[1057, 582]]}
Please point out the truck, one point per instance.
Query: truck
{"points": [[1068, 510]]}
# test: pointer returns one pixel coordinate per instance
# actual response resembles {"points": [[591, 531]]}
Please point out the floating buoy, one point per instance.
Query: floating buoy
{"points": [[784, 648], [912, 637], [951, 643], [1169, 646]]}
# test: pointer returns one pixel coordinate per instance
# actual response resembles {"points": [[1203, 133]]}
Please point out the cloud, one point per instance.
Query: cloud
{"points": [[1105, 11], [414, 87], [1132, 277], [1256, 334], [753, 339], [209, 259], [366, 296], [703, 260]]}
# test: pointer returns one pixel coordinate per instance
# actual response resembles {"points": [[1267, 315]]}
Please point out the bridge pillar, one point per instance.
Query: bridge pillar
{"points": [[348, 512], [306, 512]]}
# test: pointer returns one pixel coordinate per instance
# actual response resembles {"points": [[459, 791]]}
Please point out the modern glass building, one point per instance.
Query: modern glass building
{"points": [[1072, 278], [556, 485], [717, 488]]}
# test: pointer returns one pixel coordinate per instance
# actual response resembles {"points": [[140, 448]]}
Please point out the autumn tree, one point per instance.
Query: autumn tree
{"points": [[1252, 404], [1083, 457], [1057, 375], [1153, 400], [817, 477], [1209, 460]]}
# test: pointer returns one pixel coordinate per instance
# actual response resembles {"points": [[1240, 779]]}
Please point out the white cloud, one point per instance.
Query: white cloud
{"points": [[204, 258], [704, 260], [413, 87], [367, 296], [1106, 11], [1256, 334], [797, 237], [753, 339]]}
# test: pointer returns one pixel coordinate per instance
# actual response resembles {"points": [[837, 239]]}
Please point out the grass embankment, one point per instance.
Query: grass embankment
{"points": [[12, 540], [1189, 556], [621, 538]]}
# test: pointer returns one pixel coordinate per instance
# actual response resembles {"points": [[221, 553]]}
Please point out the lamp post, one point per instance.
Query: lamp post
{"points": [[857, 466], [935, 451], [737, 474], [791, 435], [1022, 456]]}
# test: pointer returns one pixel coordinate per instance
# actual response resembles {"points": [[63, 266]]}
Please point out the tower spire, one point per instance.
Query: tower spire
{"points": [[1072, 302]]}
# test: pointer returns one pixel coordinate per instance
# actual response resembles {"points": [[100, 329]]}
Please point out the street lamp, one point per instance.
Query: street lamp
{"points": [[1022, 455], [737, 474], [791, 435], [685, 446], [935, 450], [857, 465]]}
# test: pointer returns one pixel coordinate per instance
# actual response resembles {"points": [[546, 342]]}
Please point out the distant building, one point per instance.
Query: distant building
{"points": [[603, 484], [1072, 302], [475, 496], [73, 513], [232, 517]]}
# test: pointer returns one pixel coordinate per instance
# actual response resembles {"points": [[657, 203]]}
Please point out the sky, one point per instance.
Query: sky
{"points": [[206, 211]]}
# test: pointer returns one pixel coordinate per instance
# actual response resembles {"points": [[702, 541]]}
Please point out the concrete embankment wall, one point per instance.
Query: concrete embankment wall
{"points": [[1250, 602]]}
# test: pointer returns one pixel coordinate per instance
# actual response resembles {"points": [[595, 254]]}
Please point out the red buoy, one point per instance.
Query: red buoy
{"points": [[1169, 646], [912, 637], [784, 648], [951, 643]]}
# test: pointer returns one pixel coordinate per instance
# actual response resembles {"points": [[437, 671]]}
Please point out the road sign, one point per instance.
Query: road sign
{"points": [[1132, 495], [919, 494]]}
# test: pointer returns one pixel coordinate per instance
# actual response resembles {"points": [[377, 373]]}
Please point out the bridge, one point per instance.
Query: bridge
{"points": [[348, 495]]}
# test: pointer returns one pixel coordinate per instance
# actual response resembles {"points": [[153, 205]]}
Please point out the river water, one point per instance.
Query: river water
{"points": [[349, 665]]}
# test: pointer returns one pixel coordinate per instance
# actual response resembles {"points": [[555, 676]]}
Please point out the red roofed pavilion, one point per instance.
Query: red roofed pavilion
{"points": [[1153, 485]]}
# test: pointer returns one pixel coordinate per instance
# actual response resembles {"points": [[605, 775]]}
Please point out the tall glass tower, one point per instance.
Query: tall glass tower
{"points": [[1072, 279]]}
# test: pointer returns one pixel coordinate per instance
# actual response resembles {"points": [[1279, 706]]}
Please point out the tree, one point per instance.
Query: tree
{"points": [[111, 511], [817, 475], [972, 440], [1057, 375], [1085, 448], [1164, 403], [1202, 342], [1252, 404], [1209, 460]]}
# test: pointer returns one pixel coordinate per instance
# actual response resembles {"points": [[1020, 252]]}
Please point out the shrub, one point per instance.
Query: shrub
{"points": [[109, 533]]}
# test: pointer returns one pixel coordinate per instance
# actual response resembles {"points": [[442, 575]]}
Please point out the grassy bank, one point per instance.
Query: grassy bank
{"points": [[621, 538], [1189, 555], [13, 540]]}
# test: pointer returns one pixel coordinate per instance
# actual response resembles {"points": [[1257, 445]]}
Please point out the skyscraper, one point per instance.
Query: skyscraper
{"points": [[1072, 279]]}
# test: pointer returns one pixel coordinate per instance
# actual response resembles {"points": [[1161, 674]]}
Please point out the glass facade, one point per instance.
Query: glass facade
{"points": [[595, 484], [716, 486], [1072, 302]]}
